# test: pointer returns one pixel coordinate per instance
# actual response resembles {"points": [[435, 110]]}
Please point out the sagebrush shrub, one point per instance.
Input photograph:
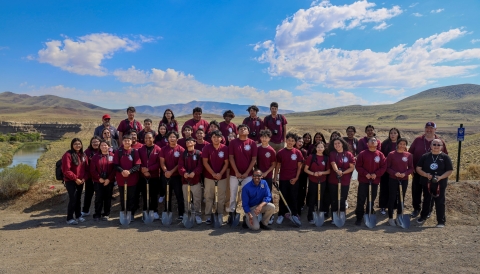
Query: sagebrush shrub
{"points": [[16, 180]]}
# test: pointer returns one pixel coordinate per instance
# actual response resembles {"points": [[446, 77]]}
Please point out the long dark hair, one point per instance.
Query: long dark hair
{"points": [[91, 140], [325, 151], [307, 145], [387, 141], [331, 147], [165, 120], [335, 132], [75, 159], [321, 135]]}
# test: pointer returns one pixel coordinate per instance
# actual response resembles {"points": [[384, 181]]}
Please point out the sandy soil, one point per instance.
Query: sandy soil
{"points": [[35, 239]]}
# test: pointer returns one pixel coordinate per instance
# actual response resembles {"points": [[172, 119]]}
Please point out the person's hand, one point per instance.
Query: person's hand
{"points": [[251, 219], [402, 175], [147, 174], [293, 181], [125, 173], [243, 176], [264, 175], [101, 180], [339, 173], [373, 176], [368, 176], [429, 176], [168, 174], [144, 169], [185, 175], [397, 174], [217, 176], [106, 182], [79, 182], [191, 174], [258, 210]]}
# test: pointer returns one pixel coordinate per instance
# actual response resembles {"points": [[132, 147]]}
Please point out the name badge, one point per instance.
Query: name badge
{"points": [[110, 158], [130, 157]]}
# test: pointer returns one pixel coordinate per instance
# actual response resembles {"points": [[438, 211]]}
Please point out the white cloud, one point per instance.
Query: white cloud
{"points": [[85, 55], [413, 5], [393, 92], [296, 51], [4, 48], [436, 11], [473, 41], [416, 14], [382, 26]]}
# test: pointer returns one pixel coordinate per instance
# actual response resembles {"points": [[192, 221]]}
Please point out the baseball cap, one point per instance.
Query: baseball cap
{"points": [[431, 124], [106, 116]]}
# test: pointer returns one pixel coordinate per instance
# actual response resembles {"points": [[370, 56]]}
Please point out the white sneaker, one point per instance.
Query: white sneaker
{"points": [[72, 222], [84, 214], [312, 222], [346, 204], [156, 216], [81, 219], [271, 220], [198, 219], [279, 220], [391, 222], [160, 200]]}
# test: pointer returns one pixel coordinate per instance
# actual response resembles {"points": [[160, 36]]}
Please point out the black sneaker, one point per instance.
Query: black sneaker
{"points": [[244, 223], [415, 213], [264, 227], [429, 214], [358, 222], [180, 218], [420, 220], [231, 216]]}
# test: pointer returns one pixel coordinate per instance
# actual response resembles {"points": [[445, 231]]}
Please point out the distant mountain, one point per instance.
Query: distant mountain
{"points": [[207, 107]]}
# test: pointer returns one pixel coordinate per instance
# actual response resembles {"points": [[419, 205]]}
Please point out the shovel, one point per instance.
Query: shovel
{"points": [[125, 216], [148, 214], [236, 216], [318, 216], [403, 220], [167, 216], [370, 219], [292, 218], [188, 218], [339, 217], [217, 219]]}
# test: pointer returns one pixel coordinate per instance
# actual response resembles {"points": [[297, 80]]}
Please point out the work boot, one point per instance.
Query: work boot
{"points": [[264, 227], [244, 223]]}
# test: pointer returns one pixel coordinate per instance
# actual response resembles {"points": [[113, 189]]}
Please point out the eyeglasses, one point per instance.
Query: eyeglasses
{"points": [[256, 175], [437, 145], [77, 144]]}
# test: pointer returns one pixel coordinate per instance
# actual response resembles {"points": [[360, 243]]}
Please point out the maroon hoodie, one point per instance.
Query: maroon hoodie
{"points": [[72, 172], [124, 161], [102, 163], [400, 162], [151, 162], [369, 162], [190, 163]]}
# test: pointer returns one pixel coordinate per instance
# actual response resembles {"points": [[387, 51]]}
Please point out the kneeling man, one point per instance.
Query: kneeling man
{"points": [[256, 199]]}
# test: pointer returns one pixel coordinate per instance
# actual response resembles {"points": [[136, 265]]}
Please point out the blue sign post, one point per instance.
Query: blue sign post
{"points": [[460, 138]]}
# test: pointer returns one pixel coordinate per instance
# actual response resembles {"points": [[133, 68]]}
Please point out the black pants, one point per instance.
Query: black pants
{"points": [[313, 197], [428, 199], [270, 185], [154, 186], [103, 199], [394, 190], [130, 198], [290, 193], [326, 198], [384, 191], [333, 190], [362, 199], [302, 190], [87, 200], [416, 192], [74, 199], [176, 187]]}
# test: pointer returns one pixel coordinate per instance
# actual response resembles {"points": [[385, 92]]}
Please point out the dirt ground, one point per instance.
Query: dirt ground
{"points": [[35, 239]]}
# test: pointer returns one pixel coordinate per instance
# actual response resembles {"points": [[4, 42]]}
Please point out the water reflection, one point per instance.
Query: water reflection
{"points": [[28, 155]]}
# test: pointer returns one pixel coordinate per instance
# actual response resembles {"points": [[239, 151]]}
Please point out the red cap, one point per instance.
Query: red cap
{"points": [[430, 124], [106, 116]]}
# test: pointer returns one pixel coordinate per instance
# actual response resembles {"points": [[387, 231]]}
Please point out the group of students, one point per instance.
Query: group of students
{"points": [[252, 155]]}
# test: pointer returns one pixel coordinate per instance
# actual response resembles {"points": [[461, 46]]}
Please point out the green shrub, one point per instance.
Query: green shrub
{"points": [[16, 180]]}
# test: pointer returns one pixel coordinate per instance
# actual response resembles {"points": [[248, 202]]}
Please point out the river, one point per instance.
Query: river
{"points": [[28, 154]]}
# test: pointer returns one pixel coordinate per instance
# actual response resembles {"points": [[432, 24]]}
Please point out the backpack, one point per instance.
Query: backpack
{"points": [[120, 152], [134, 125], [269, 117], [58, 170]]}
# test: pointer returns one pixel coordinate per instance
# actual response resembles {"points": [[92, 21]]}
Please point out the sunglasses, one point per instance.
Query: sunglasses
{"points": [[257, 175], [437, 145]]}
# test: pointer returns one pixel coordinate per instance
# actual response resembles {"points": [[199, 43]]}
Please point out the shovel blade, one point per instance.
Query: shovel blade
{"points": [[167, 218], [216, 220], [370, 220], [188, 221], [403, 221], [339, 218], [147, 216], [125, 218], [236, 220], [318, 218], [295, 220]]}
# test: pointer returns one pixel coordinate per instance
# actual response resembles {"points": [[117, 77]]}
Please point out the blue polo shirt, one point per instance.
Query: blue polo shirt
{"points": [[253, 195]]}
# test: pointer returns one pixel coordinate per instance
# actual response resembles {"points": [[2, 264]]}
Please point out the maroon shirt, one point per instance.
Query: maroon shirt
{"points": [[243, 151], [72, 172], [170, 126], [191, 163], [265, 157], [363, 144], [352, 144], [161, 141], [136, 146], [421, 146], [172, 156], [201, 146], [182, 142], [369, 162], [125, 126], [319, 165], [388, 146], [208, 138], [90, 153], [141, 135], [255, 125], [123, 158], [275, 124], [196, 125], [400, 162], [289, 159], [101, 163], [343, 161], [226, 129], [216, 159], [151, 162]]}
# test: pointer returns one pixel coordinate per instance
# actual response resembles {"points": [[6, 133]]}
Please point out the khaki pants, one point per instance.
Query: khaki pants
{"points": [[267, 212], [277, 147], [196, 192], [233, 191], [210, 195]]}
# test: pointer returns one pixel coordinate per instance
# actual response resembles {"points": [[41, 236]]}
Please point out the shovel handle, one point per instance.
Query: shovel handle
{"points": [[125, 187], [148, 196]]}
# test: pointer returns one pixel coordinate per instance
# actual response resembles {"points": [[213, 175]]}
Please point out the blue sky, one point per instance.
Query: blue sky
{"points": [[305, 55]]}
